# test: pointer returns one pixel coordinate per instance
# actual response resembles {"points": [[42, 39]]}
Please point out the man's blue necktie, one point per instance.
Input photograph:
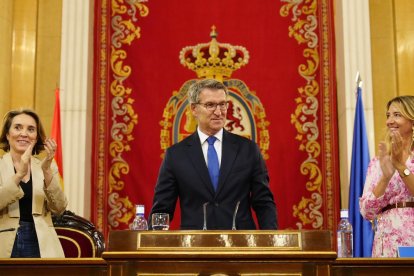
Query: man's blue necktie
{"points": [[212, 162]]}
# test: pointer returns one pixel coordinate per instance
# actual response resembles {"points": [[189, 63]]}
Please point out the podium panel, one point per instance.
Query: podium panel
{"points": [[373, 266], [220, 240], [248, 253]]}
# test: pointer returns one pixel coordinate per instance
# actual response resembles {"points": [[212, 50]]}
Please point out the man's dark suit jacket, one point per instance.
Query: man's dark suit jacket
{"points": [[243, 178]]}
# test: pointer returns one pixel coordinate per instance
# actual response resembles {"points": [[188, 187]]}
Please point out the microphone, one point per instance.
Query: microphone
{"points": [[205, 215], [234, 216], [8, 229]]}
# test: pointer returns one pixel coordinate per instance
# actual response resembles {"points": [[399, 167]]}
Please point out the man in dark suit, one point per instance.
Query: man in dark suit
{"points": [[217, 179]]}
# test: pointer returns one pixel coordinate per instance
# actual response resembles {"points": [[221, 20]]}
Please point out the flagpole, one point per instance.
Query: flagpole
{"points": [[358, 81]]}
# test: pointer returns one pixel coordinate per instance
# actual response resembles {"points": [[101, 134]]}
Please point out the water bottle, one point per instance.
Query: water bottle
{"points": [[139, 223], [345, 237]]}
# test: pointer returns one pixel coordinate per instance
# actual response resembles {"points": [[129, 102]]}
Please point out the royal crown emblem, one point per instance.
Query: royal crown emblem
{"points": [[245, 115], [214, 60]]}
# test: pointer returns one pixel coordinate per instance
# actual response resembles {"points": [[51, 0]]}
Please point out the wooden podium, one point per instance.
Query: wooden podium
{"points": [[245, 253]]}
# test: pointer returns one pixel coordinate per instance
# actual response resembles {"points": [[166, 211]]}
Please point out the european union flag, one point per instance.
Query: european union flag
{"points": [[363, 234]]}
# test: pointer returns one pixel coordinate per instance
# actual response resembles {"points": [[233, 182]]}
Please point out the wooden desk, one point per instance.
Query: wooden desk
{"points": [[202, 253], [373, 266], [244, 253], [58, 267]]}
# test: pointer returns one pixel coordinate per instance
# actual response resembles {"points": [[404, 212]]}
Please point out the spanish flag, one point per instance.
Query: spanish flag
{"points": [[56, 134]]}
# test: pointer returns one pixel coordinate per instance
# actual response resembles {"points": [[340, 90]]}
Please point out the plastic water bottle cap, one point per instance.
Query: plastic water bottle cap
{"points": [[140, 209], [344, 213]]}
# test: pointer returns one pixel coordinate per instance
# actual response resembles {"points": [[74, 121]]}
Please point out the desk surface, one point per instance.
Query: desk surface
{"points": [[251, 263]]}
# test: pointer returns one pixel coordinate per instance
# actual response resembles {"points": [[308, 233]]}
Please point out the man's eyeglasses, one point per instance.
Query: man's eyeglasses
{"points": [[213, 106]]}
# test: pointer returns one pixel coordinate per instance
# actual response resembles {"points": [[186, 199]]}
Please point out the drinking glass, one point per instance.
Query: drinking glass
{"points": [[160, 221]]}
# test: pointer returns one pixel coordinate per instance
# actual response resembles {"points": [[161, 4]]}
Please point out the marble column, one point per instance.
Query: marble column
{"points": [[353, 54], [76, 102]]}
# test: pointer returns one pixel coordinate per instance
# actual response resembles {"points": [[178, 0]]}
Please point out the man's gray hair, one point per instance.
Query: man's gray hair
{"points": [[196, 88]]}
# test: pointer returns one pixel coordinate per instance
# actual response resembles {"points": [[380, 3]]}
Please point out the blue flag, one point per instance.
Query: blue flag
{"points": [[363, 234]]}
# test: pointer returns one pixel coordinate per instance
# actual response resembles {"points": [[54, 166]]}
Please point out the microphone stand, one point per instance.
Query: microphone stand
{"points": [[205, 215], [234, 216]]}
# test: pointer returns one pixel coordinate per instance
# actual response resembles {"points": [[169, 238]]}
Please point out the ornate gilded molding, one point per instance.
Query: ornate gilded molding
{"points": [[100, 178], [327, 72]]}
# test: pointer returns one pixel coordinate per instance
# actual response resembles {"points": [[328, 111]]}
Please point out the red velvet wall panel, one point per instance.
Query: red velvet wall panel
{"points": [[284, 99]]}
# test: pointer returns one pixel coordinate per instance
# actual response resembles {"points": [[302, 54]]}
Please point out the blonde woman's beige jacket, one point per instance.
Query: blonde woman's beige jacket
{"points": [[45, 201]]}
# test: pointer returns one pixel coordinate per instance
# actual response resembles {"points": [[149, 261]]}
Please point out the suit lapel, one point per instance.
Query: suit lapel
{"points": [[197, 159], [7, 173], [7, 167], [229, 152]]}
